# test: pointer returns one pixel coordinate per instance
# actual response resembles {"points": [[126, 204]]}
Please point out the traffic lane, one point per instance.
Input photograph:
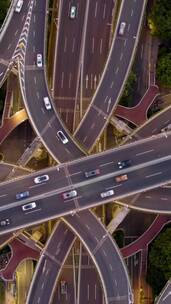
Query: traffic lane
{"points": [[13, 31], [62, 240], [97, 41], [35, 42], [41, 289], [65, 175], [138, 181], [108, 162], [57, 248], [94, 238], [157, 199], [155, 124], [57, 180], [165, 295], [124, 60], [90, 289], [113, 272], [47, 122], [67, 275], [3, 69], [47, 207], [68, 49]]}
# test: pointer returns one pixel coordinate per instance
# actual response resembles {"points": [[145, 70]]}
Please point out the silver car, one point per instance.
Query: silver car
{"points": [[69, 194], [29, 206]]}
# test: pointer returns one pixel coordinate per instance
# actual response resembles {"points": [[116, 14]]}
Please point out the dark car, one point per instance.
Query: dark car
{"points": [[4, 222], [92, 173], [124, 164], [22, 195]]}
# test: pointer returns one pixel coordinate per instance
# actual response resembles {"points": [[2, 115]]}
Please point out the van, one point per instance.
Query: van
{"points": [[47, 103]]}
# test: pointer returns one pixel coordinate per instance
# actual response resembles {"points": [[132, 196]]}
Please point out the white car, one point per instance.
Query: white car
{"points": [[73, 12], [41, 179], [19, 6], [29, 206], [39, 60], [62, 137], [69, 194], [107, 193], [47, 103], [122, 28]]}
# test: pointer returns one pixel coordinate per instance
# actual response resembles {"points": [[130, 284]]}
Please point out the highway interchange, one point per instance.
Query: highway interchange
{"points": [[150, 158]]}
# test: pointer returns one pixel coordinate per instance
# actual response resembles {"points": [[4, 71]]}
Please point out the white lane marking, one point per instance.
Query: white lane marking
{"points": [[117, 70], [154, 130], [112, 84], [67, 151], [106, 164], [84, 138], [104, 11], [147, 196], [154, 174], [112, 187], [95, 291], [95, 11], [96, 239], [3, 195], [106, 98], [42, 109], [101, 45], [132, 12], [42, 285], [38, 95], [164, 199], [111, 268], [62, 80], [34, 18], [121, 56], [65, 45], [88, 292], [34, 49], [145, 152], [93, 45], [16, 32], [104, 252], [34, 210], [93, 125], [9, 46], [49, 125], [125, 42], [35, 80], [88, 227], [66, 230], [129, 27], [76, 173], [37, 185], [70, 78], [34, 33], [47, 272], [73, 45], [142, 49]]}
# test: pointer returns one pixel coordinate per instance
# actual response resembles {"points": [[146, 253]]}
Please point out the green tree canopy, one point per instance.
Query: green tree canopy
{"points": [[160, 19], [164, 69], [4, 4], [159, 267]]}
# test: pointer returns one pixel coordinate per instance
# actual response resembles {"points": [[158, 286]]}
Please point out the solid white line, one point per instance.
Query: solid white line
{"points": [[151, 175], [35, 210], [145, 152], [95, 12], [104, 11], [106, 164], [3, 195], [76, 173], [116, 186]]}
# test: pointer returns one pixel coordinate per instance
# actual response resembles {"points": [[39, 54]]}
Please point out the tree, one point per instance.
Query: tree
{"points": [[160, 19], [4, 4], [164, 69], [159, 264], [129, 90]]}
